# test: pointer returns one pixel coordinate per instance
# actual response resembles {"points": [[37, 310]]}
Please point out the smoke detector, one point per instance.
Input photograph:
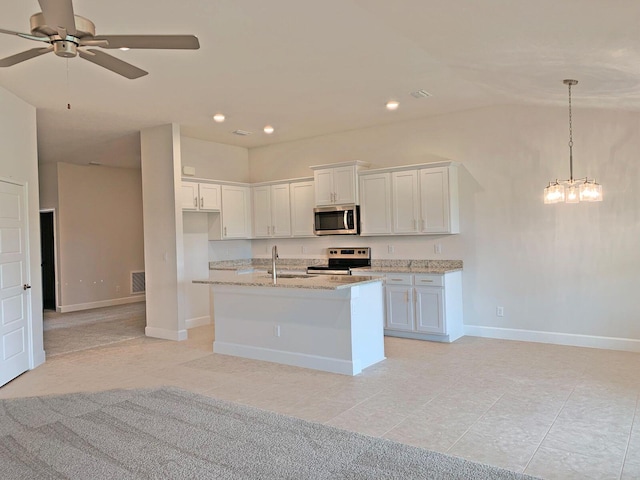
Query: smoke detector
{"points": [[242, 133]]}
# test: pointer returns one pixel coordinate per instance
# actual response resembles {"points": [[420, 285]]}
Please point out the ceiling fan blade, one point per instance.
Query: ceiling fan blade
{"points": [[21, 57], [59, 15], [112, 63], [92, 42], [26, 35], [181, 42]]}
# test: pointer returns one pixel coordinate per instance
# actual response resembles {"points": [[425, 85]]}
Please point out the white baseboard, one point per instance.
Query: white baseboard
{"points": [[39, 358], [295, 359], [165, 334], [197, 322], [574, 340], [100, 304]]}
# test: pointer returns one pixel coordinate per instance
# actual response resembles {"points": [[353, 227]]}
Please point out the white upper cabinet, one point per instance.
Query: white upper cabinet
{"points": [[236, 212], [203, 197], [439, 200], [280, 210], [302, 203], [375, 204], [189, 196], [406, 204], [271, 211], [337, 184], [423, 200], [262, 211]]}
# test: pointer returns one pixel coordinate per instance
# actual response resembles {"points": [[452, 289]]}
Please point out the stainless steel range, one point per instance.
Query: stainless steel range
{"points": [[342, 260]]}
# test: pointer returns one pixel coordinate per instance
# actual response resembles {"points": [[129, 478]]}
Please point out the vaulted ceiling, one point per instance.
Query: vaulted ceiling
{"points": [[313, 68]]}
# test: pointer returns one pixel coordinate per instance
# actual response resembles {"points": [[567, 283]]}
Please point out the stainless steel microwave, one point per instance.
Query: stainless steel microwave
{"points": [[337, 220]]}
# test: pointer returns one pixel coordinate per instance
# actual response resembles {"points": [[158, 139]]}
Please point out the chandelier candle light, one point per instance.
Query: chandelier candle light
{"points": [[573, 190]]}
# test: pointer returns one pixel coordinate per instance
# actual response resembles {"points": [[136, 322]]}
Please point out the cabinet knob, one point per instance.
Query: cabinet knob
{"points": [[201, 202]]}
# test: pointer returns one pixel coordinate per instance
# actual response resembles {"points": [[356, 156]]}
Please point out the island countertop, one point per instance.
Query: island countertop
{"points": [[262, 279]]}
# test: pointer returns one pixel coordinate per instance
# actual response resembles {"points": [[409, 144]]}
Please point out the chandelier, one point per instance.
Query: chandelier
{"points": [[573, 190]]}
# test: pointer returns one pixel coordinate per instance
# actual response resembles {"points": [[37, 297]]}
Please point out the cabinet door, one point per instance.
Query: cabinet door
{"points": [[262, 211], [209, 197], [302, 203], [375, 204], [344, 185], [280, 210], [434, 200], [399, 307], [236, 212], [324, 186], [429, 310], [189, 196], [405, 201]]}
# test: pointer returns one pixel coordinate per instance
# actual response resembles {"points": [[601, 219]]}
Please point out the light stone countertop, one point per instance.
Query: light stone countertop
{"points": [[261, 279], [408, 269], [377, 266]]}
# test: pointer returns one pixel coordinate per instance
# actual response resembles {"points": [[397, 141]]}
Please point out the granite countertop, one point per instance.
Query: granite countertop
{"points": [[261, 279], [408, 269], [301, 264]]}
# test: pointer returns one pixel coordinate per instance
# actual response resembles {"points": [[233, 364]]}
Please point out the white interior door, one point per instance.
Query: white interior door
{"points": [[14, 308]]}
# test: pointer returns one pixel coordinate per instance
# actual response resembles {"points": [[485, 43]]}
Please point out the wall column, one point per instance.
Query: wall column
{"points": [[163, 242]]}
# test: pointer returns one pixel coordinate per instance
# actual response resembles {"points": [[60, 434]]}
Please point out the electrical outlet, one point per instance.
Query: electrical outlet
{"points": [[437, 248], [500, 311], [390, 249], [276, 330], [304, 249]]}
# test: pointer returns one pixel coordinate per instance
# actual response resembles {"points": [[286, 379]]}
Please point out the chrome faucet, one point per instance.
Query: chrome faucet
{"points": [[274, 256]]}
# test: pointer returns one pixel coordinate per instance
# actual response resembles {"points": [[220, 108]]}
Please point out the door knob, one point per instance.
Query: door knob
{"points": [[25, 286]]}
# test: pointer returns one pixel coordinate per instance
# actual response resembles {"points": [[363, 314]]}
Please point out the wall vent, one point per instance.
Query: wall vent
{"points": [[137, 283], [420, 94], [242, 133]]}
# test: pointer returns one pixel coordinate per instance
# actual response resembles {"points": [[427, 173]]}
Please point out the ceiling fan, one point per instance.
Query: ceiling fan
{"points": [[69, 35]]}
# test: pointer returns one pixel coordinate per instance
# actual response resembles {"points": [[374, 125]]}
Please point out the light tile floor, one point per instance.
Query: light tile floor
{"points": [[551, 411]]}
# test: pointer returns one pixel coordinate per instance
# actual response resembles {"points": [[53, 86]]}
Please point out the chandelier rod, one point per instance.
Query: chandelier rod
{"points": [[570, 83]]}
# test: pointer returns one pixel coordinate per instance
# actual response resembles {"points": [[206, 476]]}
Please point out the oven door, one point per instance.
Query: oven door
{"points": [[338, 220]]}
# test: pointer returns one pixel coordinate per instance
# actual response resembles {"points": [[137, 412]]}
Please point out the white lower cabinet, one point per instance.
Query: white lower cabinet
{"points": [[423, 306], [429, 310], [399, 307]]}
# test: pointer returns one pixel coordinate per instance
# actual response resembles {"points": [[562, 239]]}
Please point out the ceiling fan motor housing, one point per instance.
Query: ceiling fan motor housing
{"points": [[63, 46]]}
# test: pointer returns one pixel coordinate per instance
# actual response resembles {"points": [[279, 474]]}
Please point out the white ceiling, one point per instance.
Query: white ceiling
{"points": [[313, 68]]}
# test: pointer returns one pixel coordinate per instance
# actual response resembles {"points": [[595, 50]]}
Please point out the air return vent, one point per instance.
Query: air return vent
{"points": [[137, 283], [242, 133], [420, 94]]}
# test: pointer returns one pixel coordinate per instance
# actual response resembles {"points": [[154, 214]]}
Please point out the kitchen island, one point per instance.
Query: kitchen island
{"points": [[323, 322]]}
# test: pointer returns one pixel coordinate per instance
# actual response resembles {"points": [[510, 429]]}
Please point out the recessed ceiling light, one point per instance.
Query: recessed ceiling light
{"points": [[124, 49], [219, 117], [268, 129], [392, 105]]}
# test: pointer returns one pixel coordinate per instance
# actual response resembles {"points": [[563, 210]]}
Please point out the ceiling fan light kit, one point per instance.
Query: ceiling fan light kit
{"points": [[73, 33], [572, 190]]}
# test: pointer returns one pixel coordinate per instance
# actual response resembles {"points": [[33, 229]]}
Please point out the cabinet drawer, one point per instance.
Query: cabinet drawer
{"points": [[426, 280], [399, 279]]}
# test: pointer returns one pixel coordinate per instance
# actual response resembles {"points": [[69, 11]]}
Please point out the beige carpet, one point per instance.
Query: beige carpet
{"points": [[75, 331], [169, 433]]}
